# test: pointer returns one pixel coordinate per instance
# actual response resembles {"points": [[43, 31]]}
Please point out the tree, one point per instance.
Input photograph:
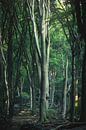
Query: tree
{"points": [[42, 43], [80, 8]]}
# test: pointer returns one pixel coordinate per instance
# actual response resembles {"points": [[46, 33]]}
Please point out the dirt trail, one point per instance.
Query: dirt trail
{"points": [[26, 118]]}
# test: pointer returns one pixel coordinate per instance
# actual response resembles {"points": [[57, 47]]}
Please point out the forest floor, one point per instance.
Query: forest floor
{"points": [[25, 121]]}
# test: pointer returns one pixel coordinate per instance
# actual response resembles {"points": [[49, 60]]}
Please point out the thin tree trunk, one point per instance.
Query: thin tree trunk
{"points": [[30, 97], [65, 92], [52, 91], [10, 56], [5, 81], [73, 88]]}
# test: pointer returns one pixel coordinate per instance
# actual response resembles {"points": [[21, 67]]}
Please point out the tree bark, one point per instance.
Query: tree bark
{"points": [[45, 43], [65, 92], [80, 9], [72, 109]]}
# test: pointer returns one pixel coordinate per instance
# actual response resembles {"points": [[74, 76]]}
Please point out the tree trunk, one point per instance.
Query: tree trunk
{"points": [[10, 56], [83, 96], [21, 90], [80, 9], [45, 44], [52, 91], [5, 82], [65, 92], [42, 45], [72, 109], [30, 97], [2, 102]]}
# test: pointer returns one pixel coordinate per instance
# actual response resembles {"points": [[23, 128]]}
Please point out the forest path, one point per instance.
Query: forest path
{"points": [[26, 118], [22, 118], [29, 122]]}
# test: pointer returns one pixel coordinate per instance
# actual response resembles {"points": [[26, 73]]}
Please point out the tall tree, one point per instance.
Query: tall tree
{"points": [[80, 7], [45, 44], [42, 44], [10, 54]]}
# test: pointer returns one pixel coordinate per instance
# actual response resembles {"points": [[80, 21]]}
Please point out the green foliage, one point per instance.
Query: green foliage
{"points": [[59, 51], [51, 114], [25, 95], [23, 73]]}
